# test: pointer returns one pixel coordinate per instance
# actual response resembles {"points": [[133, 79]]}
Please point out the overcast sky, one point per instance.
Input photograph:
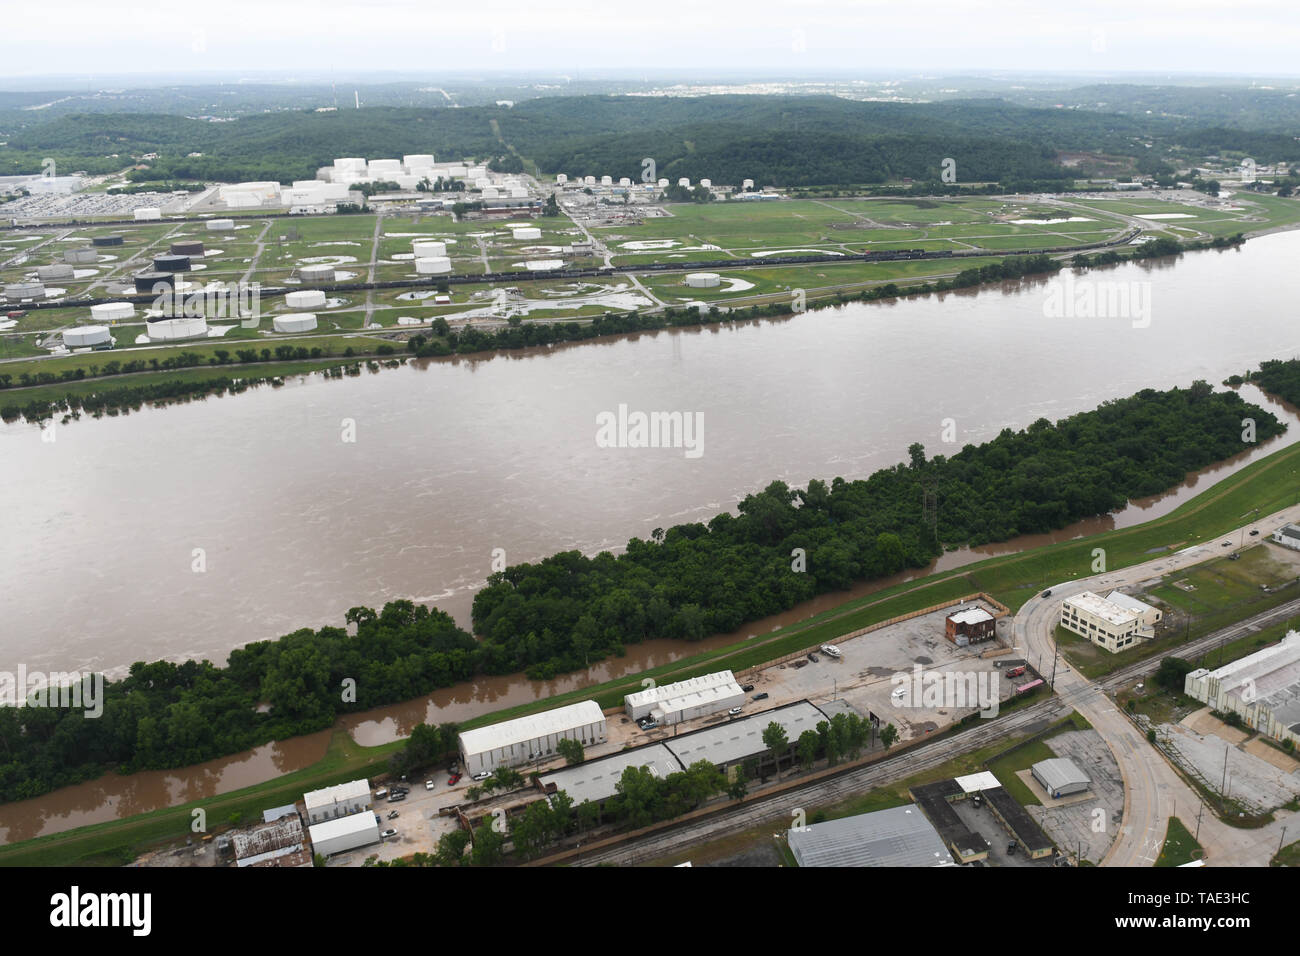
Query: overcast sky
{"points": [[81, 37]]}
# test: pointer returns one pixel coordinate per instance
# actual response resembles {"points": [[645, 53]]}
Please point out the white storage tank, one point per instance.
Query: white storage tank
{"points": [[706, 183], [432, 265], [147, 213], [417, 159], [17, 291], [703, 280], [86, 336], [589, 180], [747, 184], [606, 180], [476, 172], [427, 248], [684, 182], [528, 232], [562, 178], [175, 330], [316, 273], [663, 184], [81, 257], [305, 299], [624, 181], [518, 192], [294, 321], [110, 312], [491, 192], [221, 225], [60, 270]]}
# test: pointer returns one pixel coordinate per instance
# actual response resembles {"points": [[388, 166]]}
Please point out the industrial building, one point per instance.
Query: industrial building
{"points": [[280, 843], [514, 742], [597, 780], [81, 257], [1264, 688], [687, 699], [304, 299], [969, 625], [147, 214], [103, 241], [1114, 622], [703, 280], [341, 800], [345, 833], [1060, 777], [899, 836], [731, 742], [1288, 536], [936, 799], [294, 322]]}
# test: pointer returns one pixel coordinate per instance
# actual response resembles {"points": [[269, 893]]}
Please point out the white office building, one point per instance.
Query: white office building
{"points": [[1115, 622]]}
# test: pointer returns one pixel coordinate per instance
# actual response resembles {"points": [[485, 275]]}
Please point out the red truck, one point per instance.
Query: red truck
{"points": [[1016, 671]]}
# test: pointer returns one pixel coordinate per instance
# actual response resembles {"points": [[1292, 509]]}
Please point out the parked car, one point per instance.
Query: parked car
{"points": [[1226, 544], [428, 785], [387, 833], [1255, 532], [813, 658], [392, 814], [734, 712], [1047, 593], [396, 797], [650, 725], [1011, 848], [481, 776], [762, 696], [453, 780], [746, 687], [381, 793]]}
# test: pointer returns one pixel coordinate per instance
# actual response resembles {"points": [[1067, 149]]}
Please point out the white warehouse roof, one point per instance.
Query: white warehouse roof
{"points": [[598, 779], [1128, 603], [971, 615], [1099, 606], [343, 826], [975, 782], [530, 727], [341, 793], [654, 695]]}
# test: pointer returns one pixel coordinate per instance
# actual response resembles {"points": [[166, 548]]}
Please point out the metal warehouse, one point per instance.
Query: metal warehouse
{"points": [[338, 801], [686, 699], [597, 780], [345, 833], [899, 836], [1060, 777], [517, 741], [732, 741]]}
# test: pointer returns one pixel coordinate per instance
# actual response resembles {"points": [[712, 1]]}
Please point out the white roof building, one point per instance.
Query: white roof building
{"points": [[337, 801], [1264, 688], [707, 686], [517, 741], [345, 833]]}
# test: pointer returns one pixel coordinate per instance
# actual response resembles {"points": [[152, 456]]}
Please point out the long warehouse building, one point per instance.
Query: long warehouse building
{"points": [[514, 742], [684, 700]]}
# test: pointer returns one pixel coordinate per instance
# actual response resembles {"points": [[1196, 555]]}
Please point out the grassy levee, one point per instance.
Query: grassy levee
{"points": [[1268, 484], [1180, 846]]}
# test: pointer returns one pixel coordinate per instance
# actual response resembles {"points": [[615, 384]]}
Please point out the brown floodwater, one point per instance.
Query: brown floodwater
{"points": [[104, 526]]}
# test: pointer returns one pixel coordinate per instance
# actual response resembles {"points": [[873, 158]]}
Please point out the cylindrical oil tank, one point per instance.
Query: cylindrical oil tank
{"points": [[684, 182], [186, 247], [424, 248], [81, 257], [706, 183], [86, 336], [432, 265], [16, 291], [316, 273], [703, 280], [528, 232], [106, 241], [221, 225], [145, 281], [170, 263], [111, 311], [60, 270], [294, 322], [172, 330], [305, 299], [147, 213]]}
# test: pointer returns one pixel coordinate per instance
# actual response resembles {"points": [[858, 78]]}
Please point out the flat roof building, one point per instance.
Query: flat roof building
{"points": [[733, 741], [1288, 536], [514, 742], [1114, 622], [345, 833], [597, 780], [1060, 777], [899, 836], [684, 700], [969, 625], [1264, 688]]}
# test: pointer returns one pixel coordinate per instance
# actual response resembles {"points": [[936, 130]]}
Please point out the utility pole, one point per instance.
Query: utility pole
{"points": [[1197, 836], [1224, 782], [1281, 841]]}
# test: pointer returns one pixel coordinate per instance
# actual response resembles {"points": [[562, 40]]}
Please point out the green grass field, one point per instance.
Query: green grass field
{"points": [[1180, 847]]}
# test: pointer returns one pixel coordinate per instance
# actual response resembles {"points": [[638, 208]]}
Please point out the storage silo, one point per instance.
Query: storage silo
{"points": [[147, 213], [562, 178], [703, 280], [305, 299], [747, 184], [81, 257], [294, 322], [175, 330], [221, 225], [684, 182], [316, 273], [589, 180], [187, 247], [87, 336], [624, 181], [425, 248], [607, 180], [417, 159], [110, 312], [476, 172], [706, 183], [663, 184], [146, 281], [432, 265], [528, 232], [17, 291], [113, 240], [518, 192], [170, 263], [60, 270]]}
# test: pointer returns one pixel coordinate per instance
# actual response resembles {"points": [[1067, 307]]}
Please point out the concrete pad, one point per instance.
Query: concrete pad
{"points": [[1036, 788], [1204, 722], [1271, 754]]}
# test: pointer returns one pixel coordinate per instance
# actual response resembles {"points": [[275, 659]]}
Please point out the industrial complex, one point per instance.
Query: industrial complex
{"points": [[1262, 688]]}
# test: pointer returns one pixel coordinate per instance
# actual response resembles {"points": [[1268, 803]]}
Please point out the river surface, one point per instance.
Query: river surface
{"points": [[105, 528]]}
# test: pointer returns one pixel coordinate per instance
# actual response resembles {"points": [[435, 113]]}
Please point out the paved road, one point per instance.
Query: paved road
{"points": [[1153, 791]]}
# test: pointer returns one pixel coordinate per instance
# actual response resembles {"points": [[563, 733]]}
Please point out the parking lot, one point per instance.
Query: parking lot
{"points": [[1083, 823]]}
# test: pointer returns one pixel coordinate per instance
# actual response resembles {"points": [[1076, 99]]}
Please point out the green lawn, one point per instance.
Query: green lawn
{"points": [[1180, 847]]}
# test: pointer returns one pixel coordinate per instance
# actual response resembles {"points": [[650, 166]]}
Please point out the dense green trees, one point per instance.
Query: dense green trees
{"points": [[1280, 378]]}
